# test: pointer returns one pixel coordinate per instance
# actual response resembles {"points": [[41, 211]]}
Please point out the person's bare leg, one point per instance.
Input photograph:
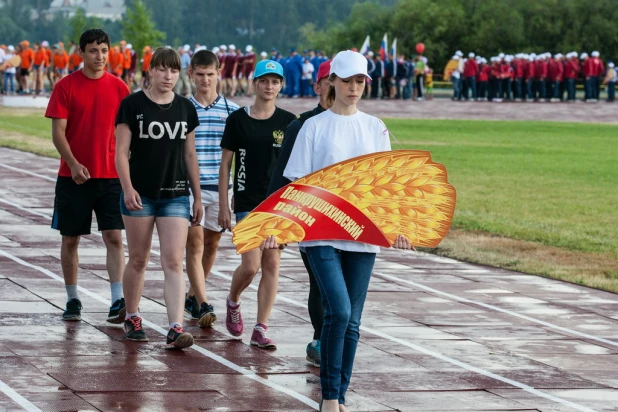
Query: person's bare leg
{"points": [[244, 274], [267, 290], [211, 245], [115, 262], [69, 259], [195, 271], [139, 239], [172, 233]]}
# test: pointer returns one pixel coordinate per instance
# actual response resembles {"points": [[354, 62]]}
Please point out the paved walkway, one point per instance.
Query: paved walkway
{"points": [[438, 335]]}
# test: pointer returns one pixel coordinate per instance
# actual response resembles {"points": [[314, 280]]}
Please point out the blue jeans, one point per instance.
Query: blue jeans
{"points": [[557, 94], [293, 84], [518, 88], [611, 91], [596, 87], [9, 78], [471, 82], [343, 279], [173, 207], [456, 88], [570, 89], [530, 88]]}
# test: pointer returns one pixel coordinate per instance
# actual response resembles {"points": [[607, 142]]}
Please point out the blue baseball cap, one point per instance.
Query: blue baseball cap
{"points": [[268, 67]]}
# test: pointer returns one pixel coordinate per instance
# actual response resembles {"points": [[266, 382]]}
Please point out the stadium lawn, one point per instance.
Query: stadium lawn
{"points": [[538, 197], [540, 183]]}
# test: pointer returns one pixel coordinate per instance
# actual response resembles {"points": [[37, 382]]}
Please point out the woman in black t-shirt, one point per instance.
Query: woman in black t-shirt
{"points": [[253, 135], [155, 157]]}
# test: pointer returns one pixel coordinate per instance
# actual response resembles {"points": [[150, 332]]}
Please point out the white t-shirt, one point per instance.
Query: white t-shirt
{"points": [[308, 70], [6, 57], [329, 138]]}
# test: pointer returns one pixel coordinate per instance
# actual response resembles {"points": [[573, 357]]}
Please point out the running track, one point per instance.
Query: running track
{"points": [[438, 335]]}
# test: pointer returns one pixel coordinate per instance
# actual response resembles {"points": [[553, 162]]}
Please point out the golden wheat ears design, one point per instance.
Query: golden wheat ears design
{"points": [[402, 192]]}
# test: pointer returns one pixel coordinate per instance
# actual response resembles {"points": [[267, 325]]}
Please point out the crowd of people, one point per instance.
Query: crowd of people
{"points": [[156, 159], [530, 77]]}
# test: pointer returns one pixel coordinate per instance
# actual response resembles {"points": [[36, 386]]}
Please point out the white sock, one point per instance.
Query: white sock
{"points": [[232, 303], [116, 289], [173, 324], [130, 315], [71, 292]]}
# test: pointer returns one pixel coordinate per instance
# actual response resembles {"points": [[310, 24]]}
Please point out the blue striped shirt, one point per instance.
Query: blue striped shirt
{"points": [[208, 137]]}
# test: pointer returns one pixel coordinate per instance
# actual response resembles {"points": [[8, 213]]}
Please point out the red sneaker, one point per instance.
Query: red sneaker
{"points": [[260, 339], [233, 320]]}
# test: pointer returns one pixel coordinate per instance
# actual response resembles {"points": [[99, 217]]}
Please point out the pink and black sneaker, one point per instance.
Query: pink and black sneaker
{"points": [[178, 339], [260, 338], [233, 320]]}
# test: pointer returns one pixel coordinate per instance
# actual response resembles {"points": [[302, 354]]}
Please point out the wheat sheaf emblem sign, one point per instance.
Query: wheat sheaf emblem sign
{"points": [[369, 199]]}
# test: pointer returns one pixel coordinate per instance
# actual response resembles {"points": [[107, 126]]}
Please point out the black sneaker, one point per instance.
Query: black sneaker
{"points": [[117, 312], [207, 315], [178, 339], [134, 330], [192, 308], [74, 310]]}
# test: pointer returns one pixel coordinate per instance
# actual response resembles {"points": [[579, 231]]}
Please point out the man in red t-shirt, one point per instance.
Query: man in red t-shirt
{"points": [[83, 110]]}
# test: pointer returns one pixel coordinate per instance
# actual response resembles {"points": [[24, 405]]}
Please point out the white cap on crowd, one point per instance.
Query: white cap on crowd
{"points": [[223, 47], [611, 65], [459, 53], [45, 43], [501, 56], [263, 54], [215, 50], [583, 55], [186, 47], [231, 47], [249, 48], [11, 48], [455, 57], [370, 53], [595, 54], [348, 63], [424, 59], [129, 46], [470, 55], [558, 56], [484, 60]]}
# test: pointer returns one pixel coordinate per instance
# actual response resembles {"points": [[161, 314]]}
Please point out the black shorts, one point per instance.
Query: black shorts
{"points": [[23, 72], [74, 204], [125, 72]]}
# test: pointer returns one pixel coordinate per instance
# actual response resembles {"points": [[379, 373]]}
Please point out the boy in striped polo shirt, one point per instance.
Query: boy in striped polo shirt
{"points": [[202, 243]]}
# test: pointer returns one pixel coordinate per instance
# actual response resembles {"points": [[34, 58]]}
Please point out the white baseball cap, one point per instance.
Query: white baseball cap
{"points": [[459, 53], [595, 54], [456, 57], [45, 43], [215, 49], [223, 47], [470, 55], [231, 47], [370, 53], [610, 64], [583, 55], [186, 47], [129, 46], [501, 56], [348, 63], [263, 54], [11, 48], [249, 48]]}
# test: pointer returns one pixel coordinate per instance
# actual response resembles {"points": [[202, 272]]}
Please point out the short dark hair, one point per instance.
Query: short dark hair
{"points": [[205, 58], [165, 58], [97, 36]]}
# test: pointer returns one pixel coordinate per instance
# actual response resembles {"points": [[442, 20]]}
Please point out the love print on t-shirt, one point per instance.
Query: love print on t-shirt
{"points": [[156, 130]]}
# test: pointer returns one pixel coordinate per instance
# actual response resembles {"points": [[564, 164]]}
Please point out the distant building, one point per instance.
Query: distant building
{"points": [[103, 9]]}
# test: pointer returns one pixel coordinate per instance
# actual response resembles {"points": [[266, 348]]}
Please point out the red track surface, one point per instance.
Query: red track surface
{"points": [[439, 335]]}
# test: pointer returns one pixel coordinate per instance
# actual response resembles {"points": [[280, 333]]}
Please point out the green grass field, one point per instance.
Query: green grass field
{"points": [[539, 197]]}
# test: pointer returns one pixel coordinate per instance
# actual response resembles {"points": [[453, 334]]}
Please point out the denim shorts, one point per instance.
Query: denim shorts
{"points": [[174, 207], [241, 215]]}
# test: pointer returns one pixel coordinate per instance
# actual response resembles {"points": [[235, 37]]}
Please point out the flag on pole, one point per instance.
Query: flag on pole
{"points": [[365, 47], [394, 49], [384, 47]]}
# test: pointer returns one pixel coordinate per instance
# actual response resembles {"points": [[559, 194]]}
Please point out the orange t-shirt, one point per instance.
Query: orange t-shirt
{"points": [[27, 56], [118, 63], [50, 55], [127, 59], [61, 60], [74, 60], [146, 62], [40, 57]]}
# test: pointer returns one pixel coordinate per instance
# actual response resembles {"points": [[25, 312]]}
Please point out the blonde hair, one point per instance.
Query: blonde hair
{"points": [[330, 95]]}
